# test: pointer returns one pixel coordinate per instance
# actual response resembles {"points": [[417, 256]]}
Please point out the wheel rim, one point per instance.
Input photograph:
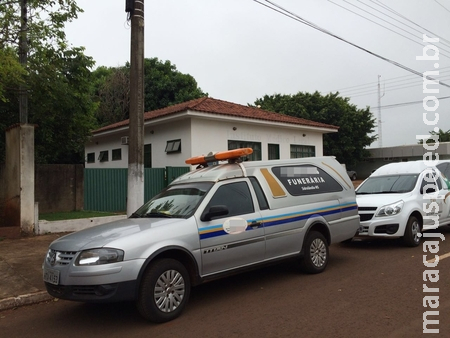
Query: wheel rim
{"points": [[169, 291], [415, 230], [318, 252]]}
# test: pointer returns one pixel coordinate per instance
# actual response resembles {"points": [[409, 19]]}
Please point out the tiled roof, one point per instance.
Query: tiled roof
{"points": [[219, 107]]}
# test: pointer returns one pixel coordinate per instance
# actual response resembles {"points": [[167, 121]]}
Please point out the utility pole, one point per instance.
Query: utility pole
{"points": [[135, 193], [23, 52], [380, 129]]}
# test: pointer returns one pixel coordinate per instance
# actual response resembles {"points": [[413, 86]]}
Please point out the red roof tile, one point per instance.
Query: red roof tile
{"points": [[219, 107]]}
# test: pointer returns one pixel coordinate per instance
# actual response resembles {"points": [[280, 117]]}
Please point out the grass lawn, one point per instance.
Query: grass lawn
{"points": [[58, 216]]}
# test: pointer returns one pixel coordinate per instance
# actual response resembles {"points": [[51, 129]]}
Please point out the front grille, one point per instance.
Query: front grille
{"points": [[365, 217], [60, 257], [83, 290], [367, 208]]}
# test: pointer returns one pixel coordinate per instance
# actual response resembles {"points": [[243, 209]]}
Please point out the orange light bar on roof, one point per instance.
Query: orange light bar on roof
{"points": [[220, 156]]}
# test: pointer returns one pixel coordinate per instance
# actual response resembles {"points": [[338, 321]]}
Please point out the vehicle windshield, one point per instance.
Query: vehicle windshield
{"points": [[392, 184], [177, 201]]}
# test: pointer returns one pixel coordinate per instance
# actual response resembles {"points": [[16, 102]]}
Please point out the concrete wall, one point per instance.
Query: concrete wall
{"points": [[59, 187], [45, 227], [2, 194]]}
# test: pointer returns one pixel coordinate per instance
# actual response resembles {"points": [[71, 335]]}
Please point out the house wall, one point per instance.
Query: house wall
{"points": [[208, 136], [107, 142], [156, 135], [167, 132], [202, 135]]}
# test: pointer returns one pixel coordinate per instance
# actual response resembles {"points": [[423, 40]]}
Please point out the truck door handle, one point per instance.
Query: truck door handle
{"points": [[255, 225]]}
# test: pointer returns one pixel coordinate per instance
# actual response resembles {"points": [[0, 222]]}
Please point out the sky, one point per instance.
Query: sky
{"points": [[241, 50]]}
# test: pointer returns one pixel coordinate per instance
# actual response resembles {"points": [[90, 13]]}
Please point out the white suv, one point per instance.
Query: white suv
{"points": [[401, 200]]}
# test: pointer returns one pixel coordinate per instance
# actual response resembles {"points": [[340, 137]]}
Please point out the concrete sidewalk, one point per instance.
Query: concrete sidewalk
{"points": [[21, 260], [21, 270]]}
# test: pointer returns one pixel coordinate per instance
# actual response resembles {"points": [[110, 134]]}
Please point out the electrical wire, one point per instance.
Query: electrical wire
{"points": [[364, 90], [379, 3], [442, 6], [379, 24], [396, 105], [390, 89], [393, 79], [295, 17]]}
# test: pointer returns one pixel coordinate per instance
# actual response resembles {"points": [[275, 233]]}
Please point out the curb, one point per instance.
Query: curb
{"points": [[28, 299]]}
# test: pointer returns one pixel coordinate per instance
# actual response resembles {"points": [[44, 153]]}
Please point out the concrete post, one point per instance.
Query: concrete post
{"points": [[135, 193], [19, 173]]}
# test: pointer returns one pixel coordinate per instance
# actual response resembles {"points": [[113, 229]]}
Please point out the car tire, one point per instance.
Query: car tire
{"points": [[354, 177], [412, 232], [164, 291], [316, 254]]}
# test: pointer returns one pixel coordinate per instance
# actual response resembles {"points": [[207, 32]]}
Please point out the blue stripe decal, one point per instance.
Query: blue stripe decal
{"points": [[217, 230]]}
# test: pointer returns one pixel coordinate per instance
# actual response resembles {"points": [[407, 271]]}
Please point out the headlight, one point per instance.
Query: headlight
{"points": [[99, 256], [391, 209]]}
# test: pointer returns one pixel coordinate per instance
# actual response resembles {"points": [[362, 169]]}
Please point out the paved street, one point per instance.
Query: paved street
{"points": [[370, 289]]}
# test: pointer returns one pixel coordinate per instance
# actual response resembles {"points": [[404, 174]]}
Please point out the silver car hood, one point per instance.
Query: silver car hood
{"points": [[103, 234]]}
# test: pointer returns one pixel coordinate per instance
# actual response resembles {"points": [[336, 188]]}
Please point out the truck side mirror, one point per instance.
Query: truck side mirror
{"points": [[214, 211]]}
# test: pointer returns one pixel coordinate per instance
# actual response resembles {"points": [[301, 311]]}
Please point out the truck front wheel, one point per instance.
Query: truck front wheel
{"points": [[164, 290]]}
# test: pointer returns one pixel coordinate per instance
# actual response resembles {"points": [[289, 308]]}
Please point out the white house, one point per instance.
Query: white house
{"points": [[205, 125]]}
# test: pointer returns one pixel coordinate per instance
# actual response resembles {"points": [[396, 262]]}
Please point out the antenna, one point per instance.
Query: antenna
{"points": [[380, 129]]}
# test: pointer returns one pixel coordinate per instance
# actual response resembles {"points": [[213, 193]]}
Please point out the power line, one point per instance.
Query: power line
{"points": [[405, 18], [391, 86], [406, 37], [393, 79], [442, 6], [391, 89], [396, 105], [295, 17]]}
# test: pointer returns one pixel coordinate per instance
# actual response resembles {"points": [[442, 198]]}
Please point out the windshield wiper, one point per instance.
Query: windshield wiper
{"points": [[377, 192], [135, 215], [157, 214]]}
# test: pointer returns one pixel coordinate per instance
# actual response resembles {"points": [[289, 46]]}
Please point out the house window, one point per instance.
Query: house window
{"points": [[173, 146], [103, 157], [90, 158], [299, 151], [116, 154], [273, 151], [256, 146], [147, 156]]}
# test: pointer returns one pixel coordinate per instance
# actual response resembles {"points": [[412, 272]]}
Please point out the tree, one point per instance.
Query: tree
{"points": [[57, 78], [349, 143], [442, 136], [12, 73], [164, 85], [112, 93]]}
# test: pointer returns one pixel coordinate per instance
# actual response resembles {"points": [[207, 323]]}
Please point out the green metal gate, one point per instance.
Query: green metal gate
{"points": [[106, 189]]}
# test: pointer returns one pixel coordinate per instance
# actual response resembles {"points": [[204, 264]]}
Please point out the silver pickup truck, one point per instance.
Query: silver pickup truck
{"points": [[211, 222]]}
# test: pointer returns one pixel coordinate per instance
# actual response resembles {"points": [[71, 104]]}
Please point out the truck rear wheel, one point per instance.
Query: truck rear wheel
{"points": [[316, 254]]}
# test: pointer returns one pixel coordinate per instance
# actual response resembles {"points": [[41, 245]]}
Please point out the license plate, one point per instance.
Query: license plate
{"points": [[51, 276]]}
